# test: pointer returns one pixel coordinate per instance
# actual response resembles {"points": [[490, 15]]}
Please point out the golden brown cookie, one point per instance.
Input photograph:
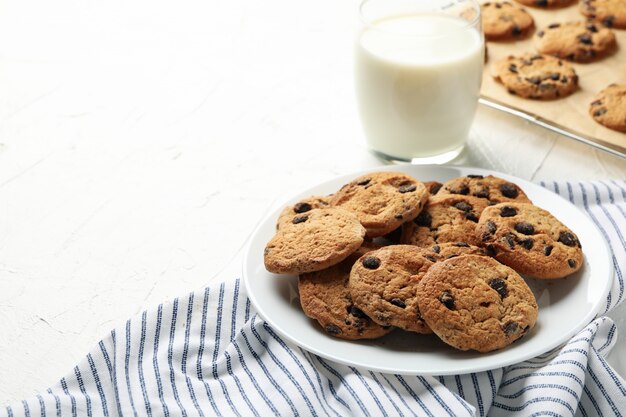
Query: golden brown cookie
{"points": [[546, 4], [575, 41], [474, 302], [382, 200], [530, 240], [609, 107], [313, 241], [383, 285], [325, 297], [535, 76], [505, 21], [446, 218], [611, 13], [493, 189], [302, 206]]}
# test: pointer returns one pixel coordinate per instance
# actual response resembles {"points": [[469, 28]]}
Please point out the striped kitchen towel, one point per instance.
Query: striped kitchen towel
{"points": [[210, 354]]}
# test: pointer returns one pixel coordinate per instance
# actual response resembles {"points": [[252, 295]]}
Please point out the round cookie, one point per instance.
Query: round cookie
{"points": [[302, 206], [325, 297], [539, 77], [611, 13], [383, 285], [609, 107], [505, 21], [446, 218], [530, 240], [546, 4], [313, 241], [494, 189], [575, 41], [382, 200], [474, 302]]}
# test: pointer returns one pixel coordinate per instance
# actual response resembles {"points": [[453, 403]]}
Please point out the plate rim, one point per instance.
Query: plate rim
{"points": [[274, 210]]}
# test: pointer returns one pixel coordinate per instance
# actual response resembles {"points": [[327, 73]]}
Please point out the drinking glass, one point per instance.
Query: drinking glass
{"points": [[418, 70]]}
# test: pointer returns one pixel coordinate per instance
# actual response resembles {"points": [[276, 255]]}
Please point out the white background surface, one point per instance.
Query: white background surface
{"points": [[141, 142]]}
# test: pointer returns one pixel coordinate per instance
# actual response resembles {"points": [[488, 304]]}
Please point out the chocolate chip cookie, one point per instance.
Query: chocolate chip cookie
{"points": [[383, 285], [530, 240], [325, 297], [535, 76], [611, 13], [505, 21], [382, 200], [313, 241], [575, 41], [446, 218], [302, 206], [474, 302], [609, 107], [494, 189]]}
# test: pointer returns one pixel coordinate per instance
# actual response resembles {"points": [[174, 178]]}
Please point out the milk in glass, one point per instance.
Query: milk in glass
{"points": [[418, 79]]}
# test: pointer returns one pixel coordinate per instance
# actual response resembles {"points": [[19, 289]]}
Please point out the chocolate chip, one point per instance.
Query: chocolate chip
{"points": [[398, 302], [332, 329], [510, 240], [508, 211], [499, 285], [299, 219], [435, 188], [491, 227], [475, 176], [424, 219], [564, 80], [371, 262], [513, 68], [407, 188], [491, 250], [585, 39], [463, 206], [541, 33], [430, 258], [600, 112], [356, 312], [484, 193], [454, 255], [461, 245], [567, 238], [596, 103], [527, 243], [554, 25], [571, 263], [364, 181], [447, 300], [541, 3], [516, 31], [464, 190], [471, 217], [509, 190], [302, 207], [398, 216], [436, 248], [608, 21], [592, 28], [510, 328], [547, 250], [554, 76], [524, 228], [533, 80]]}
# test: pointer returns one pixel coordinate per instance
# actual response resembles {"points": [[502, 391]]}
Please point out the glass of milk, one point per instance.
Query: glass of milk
{"points": [[418, 70]]}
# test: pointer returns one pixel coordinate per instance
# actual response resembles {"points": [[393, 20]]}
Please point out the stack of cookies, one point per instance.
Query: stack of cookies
{"points": [[546, 72], [388, 252]]}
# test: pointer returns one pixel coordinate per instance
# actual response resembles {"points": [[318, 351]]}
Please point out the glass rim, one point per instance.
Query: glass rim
{"points": [[368, 23]]}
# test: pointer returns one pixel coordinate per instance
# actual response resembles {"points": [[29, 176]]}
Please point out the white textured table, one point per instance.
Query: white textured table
{"points": [[141, 142]]}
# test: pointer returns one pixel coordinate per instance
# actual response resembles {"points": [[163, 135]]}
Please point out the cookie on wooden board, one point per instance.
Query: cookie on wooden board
{"points": [[609, 107], [576, 41], [474, 302], [313, 241], [530, 240], [536, 76]]}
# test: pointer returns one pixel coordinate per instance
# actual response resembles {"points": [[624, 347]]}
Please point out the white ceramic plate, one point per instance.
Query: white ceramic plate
{"points": [[565, 306]]}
